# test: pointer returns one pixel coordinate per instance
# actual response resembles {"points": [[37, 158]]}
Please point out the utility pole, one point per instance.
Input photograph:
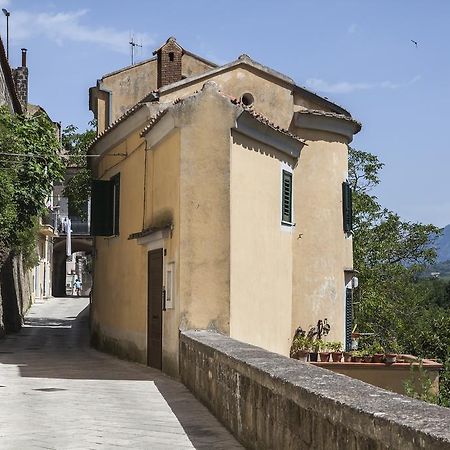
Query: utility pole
{"points": [[7, 14], [133, 45]]}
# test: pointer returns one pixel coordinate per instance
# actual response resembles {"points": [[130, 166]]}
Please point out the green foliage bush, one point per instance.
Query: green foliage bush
{"points": [[30, 164], [406, 314]]}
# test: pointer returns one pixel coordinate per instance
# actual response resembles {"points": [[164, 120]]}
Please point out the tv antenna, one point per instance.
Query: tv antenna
{"points": [[133, 45]]}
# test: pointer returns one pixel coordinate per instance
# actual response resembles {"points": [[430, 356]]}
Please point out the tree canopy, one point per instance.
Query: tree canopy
{"points": [[29, 165], [405, 312]]}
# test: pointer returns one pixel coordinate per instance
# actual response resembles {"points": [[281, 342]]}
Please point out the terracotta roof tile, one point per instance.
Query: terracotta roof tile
{"points": [[128, 113], [318, 112]]}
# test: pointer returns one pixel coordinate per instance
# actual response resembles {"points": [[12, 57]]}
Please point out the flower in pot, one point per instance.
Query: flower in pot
{"points": [[315, 348], [336, 351], [324, 352]]}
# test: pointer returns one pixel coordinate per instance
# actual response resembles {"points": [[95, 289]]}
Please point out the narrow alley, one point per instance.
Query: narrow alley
{"points": [[58, 393]]}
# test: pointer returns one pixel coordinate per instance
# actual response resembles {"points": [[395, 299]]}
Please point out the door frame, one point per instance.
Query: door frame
{"points": [[159, 308]]}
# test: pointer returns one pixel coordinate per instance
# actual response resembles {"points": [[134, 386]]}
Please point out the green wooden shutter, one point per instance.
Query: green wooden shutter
{"points": [[348, 318], [286, 198], [347, 206], [116, 181], [102, 197]]}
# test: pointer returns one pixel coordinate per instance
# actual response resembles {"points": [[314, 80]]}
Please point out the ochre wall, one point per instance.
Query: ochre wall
{"points": [[120, 284], [271, 99], [131, 85], [205, 212], [261, 249], [163, 208], [321, 250]]}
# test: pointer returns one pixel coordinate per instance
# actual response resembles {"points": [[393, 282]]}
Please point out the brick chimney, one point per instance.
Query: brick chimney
{"points": [[21, 81], [169, 62]]}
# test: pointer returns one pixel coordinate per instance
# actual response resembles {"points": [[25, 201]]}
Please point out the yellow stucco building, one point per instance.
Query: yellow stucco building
{"points": [[219, 203]]}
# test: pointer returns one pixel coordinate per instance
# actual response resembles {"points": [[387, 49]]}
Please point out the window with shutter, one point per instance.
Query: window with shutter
{"points": [[116, 203], [348, 318], [102, 197], [286, 198], [347, 206], [105, 207]]}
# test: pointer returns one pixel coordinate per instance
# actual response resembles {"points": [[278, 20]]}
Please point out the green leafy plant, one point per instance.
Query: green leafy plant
{"points": [[419, 384]]}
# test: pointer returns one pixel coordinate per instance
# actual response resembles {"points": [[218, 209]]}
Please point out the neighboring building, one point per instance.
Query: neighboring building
{"points": [[221, 202]]}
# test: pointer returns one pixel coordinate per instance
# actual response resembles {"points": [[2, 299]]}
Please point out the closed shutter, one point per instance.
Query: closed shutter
{"points": [[348, 318], [347, 206], [116, 181], [102, 197], [286, 198]]}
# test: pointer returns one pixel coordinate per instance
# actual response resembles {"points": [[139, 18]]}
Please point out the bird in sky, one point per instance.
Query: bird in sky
{"points": [[414, 42]]}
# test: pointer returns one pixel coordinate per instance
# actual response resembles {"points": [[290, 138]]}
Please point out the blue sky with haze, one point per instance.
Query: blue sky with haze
{"points": [[357, 53]]}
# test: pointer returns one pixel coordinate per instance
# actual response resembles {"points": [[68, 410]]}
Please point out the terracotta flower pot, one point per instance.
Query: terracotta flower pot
{"points": [[336, 356], [347, 356], [324, 356], [302, 355], [356, 358], [377, 358], [367, 358], [390, 358]]}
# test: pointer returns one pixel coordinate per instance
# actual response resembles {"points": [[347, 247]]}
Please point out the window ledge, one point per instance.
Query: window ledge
{"points": [[288, 224]]}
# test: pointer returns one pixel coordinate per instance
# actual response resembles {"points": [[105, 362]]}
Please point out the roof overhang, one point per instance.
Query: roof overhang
{"points": [[330, 122], [249, 126]]}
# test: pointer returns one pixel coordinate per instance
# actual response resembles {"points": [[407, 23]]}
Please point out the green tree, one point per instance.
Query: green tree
{"points": [[78, 186], [403, 311], [30, 164]]}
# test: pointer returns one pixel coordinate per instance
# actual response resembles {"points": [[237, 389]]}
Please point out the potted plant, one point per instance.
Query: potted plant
{"points": [[366, 356], [347, 356], [315, 348], [392, 350], [357, 356], [300, 348], [377, 352], [336, 351], [324, 352]]}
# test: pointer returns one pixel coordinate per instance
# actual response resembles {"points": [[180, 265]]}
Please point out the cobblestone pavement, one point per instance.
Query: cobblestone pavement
{"points": [[57, 393]]}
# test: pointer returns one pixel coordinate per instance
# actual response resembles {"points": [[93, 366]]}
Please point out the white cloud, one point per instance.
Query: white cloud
{"points": [[345, 87], [67, 26]]}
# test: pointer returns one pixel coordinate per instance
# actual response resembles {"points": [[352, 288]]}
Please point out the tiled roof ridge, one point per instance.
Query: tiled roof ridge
{"points": [[116, 123], [258, 116], [319, 112], [261, 118]]}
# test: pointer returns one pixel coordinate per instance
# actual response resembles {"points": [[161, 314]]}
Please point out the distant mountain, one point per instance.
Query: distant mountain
{"points": [[443, 245]]}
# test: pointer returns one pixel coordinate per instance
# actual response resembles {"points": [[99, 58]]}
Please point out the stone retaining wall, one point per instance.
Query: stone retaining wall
{"points": [[269, 401]]}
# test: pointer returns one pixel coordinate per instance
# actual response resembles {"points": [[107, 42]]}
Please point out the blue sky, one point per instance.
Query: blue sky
{"points": [[358, 53]]}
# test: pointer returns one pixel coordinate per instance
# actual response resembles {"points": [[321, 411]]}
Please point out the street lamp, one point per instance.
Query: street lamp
{"points": [[7, 14]]}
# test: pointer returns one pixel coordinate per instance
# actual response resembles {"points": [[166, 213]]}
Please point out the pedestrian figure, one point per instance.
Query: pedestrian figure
{"points": [[77, 285]]}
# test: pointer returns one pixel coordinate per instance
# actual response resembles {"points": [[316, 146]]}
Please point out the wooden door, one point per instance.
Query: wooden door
{"points": [[155, 306]]}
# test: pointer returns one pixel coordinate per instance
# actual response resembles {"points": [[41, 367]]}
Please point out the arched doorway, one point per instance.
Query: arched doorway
{"points": [[81, 247]]}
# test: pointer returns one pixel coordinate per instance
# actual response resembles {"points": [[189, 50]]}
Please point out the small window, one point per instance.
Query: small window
{"points": [[286, 198], [171, 56], [247, 99]]}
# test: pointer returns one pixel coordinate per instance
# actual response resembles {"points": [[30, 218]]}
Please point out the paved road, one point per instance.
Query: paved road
{"points": [[57, 393]]}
